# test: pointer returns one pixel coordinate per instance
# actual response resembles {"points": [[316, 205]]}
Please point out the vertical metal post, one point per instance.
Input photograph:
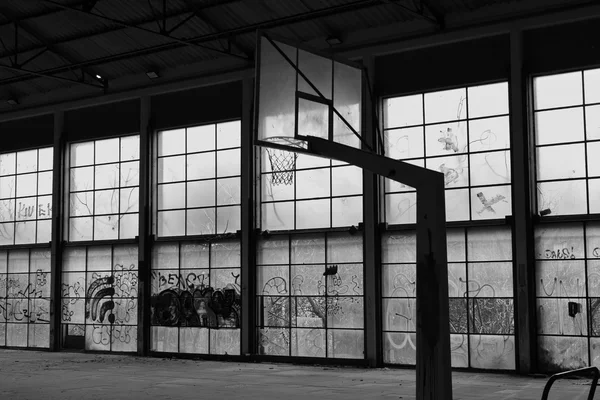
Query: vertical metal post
{"points": [[371, 237], [248, 273], [144, 273], [56, 239], [522, 217], [434, 375]]}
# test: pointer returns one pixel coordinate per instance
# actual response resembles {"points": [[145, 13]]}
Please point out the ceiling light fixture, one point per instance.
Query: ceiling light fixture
{"points": [[152, 74], [98, 76], [333, 40], [12, 102]]}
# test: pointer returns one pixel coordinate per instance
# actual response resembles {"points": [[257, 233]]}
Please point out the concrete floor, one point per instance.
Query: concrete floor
{"points": [[43, 375]]}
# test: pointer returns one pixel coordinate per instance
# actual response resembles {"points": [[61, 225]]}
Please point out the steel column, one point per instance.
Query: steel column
{"points": [[56, 241], [522, 209], [248, 272], [371, 237], [144, 245]]}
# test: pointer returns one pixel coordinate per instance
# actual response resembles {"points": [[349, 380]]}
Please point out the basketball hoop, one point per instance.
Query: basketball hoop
{"points": [[283, 162]]}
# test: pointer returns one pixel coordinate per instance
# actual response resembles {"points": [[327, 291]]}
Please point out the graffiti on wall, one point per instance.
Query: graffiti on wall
{"points": [[26, 297]]}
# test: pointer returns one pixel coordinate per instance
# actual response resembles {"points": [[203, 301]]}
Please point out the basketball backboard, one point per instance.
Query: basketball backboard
{"points": [[301, 93]]}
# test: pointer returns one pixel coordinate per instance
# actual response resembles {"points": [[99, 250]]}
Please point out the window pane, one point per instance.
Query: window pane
{"points": [[26, 185], [171, 142], [130, 148], [228, 191], [201, 166], [228, 134], [488, 100], [106, 202], [26, 161], [558, 90], [489, 134], [82, 154], [277, 216], [592, 122], [171, 169], [8, 163], [129, 201], [201, 193], [228, 219], [592, 85], [492, 202], [403, 111], [80, 229], [44, 183], [490, 168], [107, 151], [200, 138], [594, 195], [346, 180], [7, 187], [201, 221], [171, 223], [171, 196], [228, 163], [571, 165], [81, 203], [82, 179], [447, 105], [346, 211], [454, 168], [106, 176], [445, 139], [130, 174], [404, 143], [559, 126], [457, 205], [401, 208], [568, 197], [313, 183], [313, 214]]}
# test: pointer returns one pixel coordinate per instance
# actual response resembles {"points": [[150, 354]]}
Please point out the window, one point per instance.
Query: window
{"points": [[480, 290], [25, 298], [310, 295], [567, 137], [26, 196], [103, 189], [198, 177], [462, 133], [308, 192], [196, 297], [99, 297]]}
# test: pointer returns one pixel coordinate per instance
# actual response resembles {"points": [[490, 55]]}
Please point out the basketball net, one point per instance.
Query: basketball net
{"points": [[283, 163]]}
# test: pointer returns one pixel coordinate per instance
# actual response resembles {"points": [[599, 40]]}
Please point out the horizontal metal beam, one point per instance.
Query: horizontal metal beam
{"points": [[139, 28], [306, 16], [49, 76]]}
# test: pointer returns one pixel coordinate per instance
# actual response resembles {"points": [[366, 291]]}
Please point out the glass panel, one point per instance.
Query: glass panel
{"points": [[454, 168], [346, 181], [228, 191], [273, 251], [457, 205], [399, 247], [7, 210], [492, 316], [457, 280], [201, 193], [562, 198], [8, 163], [403, 111], [490, 168], [593, 163], [489, 134], [81, 203], [164, 339], [345, 343], [490, 280], [171, 196], [346, 211], [106, 176], [228, 163], [399, 315], [489, 244], [399, 280], [347, 100], [400, 348], [572, 163], [313, 183], [277, 216], [130, 148], [130, 174], [313, 214], [225, 341], [401, 208], [560, 278], [274, 341], [592, 122], [107, 151], [562, 353], [171, 142], [128, 226], [171, 169], [447, 105], [275, 192], [458, 315], [82, 154], [486, 100], [25, 209], [304, 161], [201, 166], [445, 139], [491, 202], [193, 340], [7, 187], [44, 183], [200, 138], [404, 143], [80, 229], [558, 90], [201, 222], [554, 318], [105, 202], [228, 134], [171, 223], [492, 352], [82, 179], [25, 232], [26, 185], [591, 78], [228, 219], [313, 119], [552, 126], [225, 254], [594, 195], [106, 227], [129, 200]]}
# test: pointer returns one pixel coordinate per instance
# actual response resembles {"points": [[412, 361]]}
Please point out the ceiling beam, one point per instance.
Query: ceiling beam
{"points": [[139, 28], [42, 74], [302, 17], [141, 21]]}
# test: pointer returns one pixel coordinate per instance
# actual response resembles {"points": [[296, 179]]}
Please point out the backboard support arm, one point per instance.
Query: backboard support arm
{"points": [[434, 375]]}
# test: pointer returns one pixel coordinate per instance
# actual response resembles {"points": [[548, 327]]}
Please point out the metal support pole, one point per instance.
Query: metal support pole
{"points": [[56, 241], [144, 273], [434, 375], [248, 338], [371, 238], [522, 217]]}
